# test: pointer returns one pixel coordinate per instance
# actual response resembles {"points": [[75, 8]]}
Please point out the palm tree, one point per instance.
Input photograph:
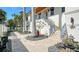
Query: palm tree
{"points": [[24, 16], [18, 19], [2, 15]]}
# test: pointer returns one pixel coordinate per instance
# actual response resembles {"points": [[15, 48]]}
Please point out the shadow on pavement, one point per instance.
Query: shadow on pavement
{"points": [[41, 37], [17, 46], [9, 46], [53, 49]]}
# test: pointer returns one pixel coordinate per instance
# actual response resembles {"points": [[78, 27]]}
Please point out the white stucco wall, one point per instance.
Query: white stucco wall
{"points": [[69, 9], [57, 10], [5, 29], [63, 19], [30, 27], [63, 26], [30, 23], [29, 18], [75, 31], [55, 19]]}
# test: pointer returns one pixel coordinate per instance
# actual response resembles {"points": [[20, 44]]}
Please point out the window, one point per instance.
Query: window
{"points": [[39, 15], [63, 9], [72, 20], [46, 15], [52, 10]]}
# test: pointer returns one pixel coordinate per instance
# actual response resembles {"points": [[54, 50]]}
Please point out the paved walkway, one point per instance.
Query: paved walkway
{"points": [[16, 44], [35, 46]]}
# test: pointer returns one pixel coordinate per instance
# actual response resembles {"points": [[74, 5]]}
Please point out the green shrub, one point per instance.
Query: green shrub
{"points": [[68, 41]]}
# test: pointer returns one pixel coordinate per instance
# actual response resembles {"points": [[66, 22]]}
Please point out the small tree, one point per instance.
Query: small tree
{"points": [[11, 23]]}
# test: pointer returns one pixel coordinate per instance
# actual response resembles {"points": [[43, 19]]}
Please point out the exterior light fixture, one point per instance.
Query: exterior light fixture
{"points": [[72, 23]]}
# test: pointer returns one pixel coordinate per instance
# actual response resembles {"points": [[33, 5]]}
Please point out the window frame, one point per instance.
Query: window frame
{"points": [[39, 16], [52, 10], [63, 9]]}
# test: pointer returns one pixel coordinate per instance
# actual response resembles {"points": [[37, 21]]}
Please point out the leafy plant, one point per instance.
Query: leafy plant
{"points": [[2, 15], [68, 41]]}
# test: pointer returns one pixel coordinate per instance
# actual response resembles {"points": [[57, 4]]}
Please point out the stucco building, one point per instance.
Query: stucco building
{"points": [[70, 23], [47, 19]]}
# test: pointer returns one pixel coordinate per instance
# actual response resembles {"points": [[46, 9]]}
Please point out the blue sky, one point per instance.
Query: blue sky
{"points": [[12, 10]]}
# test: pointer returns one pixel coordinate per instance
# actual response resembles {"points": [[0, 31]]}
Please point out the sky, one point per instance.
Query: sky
{"points": [[12, 10]]}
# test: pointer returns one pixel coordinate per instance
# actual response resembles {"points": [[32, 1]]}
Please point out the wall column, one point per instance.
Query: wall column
{"points": [[49, 12], [24, 19], [60, 21], [33, 22]]}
